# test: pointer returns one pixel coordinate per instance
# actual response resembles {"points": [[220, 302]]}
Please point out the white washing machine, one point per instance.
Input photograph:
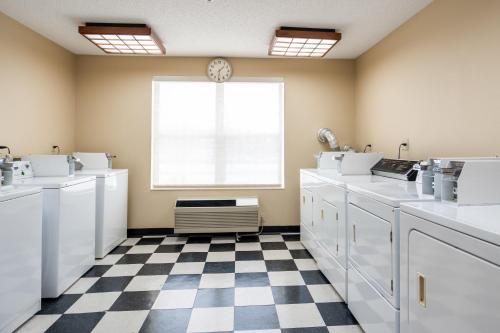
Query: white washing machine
{"points": [[20, 255], [450, 268], [111, 201], [373, 227], [450, 254], [111, 208], [324, 220], [324, 210], [68, 240]]}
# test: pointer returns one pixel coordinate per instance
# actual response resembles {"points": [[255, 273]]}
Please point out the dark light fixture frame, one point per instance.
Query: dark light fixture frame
{"points": [[309, 33], [93, 28]]}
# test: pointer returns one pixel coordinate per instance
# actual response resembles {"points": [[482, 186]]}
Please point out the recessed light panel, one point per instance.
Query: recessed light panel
{"points": [[123, 38], [303, 42]]}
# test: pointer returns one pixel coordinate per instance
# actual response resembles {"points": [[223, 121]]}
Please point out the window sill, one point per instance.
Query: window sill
{"points": [[223, 188]]}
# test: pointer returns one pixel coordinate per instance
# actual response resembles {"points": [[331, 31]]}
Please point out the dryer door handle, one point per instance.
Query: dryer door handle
{"points": [[421, 290]]}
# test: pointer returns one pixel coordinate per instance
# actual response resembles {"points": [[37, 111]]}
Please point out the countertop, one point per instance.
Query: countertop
{"points": [[482, 222], [391, 193]]}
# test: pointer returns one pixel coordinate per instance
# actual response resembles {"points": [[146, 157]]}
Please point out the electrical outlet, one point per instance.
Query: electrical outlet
{"points": [[407, 146]]}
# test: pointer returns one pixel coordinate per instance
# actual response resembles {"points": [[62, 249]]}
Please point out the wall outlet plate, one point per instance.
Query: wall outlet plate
{"points": [[407, 147]]}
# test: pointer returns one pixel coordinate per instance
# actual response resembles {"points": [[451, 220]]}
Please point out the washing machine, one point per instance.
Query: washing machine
{"points": [[323, 226], [450, 268], [20, 255], [324, 210], [111, 200], [373, 236], [450, 255], [68, 223]]}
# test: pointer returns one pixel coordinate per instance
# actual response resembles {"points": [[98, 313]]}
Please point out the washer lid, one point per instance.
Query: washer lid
{"points": [[392, 193], [332, 176], [54, 182], [476, 221], [13, 192], [101, 173]]}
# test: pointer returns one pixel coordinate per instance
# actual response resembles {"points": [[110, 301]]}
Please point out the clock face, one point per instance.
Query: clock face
{"points": [[219, 70]]}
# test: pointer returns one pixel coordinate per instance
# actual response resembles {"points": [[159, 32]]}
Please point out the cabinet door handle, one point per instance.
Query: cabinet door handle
{"points": [[304, 199], [322, 214], [421, 290], [354, 233]]}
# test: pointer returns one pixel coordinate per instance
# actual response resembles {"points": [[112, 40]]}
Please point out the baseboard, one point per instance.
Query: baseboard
{"points": [[149, 231], [170, 231], [282, 229]]}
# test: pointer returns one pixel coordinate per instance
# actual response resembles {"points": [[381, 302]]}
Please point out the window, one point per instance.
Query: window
{"points": [[217, 135]]}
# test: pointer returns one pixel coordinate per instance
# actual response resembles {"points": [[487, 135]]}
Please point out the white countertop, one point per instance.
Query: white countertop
{"points": [[391, 193], [333, 177], [11, 192], [481, 222], [54, 182], [101, 173]]}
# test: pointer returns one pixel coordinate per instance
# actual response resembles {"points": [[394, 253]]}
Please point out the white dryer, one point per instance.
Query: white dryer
{"points": [[450, 268], [373, 226], [323, 228], [111, 200], [20, 255], [324, 212], [68, 239], [450, 254]]}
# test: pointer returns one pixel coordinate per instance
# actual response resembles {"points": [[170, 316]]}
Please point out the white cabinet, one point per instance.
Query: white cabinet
{"points": [[371, 247], [330, 234], [328, 228], [323, 228], [450, 282], [306, 208]]}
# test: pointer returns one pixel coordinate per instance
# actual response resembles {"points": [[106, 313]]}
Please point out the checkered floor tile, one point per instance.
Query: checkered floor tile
{"points": [[262, 284]]}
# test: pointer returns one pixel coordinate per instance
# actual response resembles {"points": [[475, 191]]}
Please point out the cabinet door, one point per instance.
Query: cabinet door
{"points": [[114, 212], [306, 208], [371, 247], [450, 290], [328, 228], [336, 195]]}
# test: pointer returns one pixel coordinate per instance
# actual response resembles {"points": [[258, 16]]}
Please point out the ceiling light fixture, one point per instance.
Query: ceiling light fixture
{"points": [[123, 38], [303, 42]]}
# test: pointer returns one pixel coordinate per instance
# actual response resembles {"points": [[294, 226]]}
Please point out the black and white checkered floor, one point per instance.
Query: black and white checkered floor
{"points": [[262, 284]]}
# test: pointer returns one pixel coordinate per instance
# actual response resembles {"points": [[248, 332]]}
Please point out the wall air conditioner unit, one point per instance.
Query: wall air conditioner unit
{"points": [[212, 215]]}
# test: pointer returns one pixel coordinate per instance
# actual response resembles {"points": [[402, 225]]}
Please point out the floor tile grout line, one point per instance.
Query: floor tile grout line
{"points": [[271, 286]]}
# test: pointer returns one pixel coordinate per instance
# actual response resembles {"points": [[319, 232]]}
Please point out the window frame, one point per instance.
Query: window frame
{"points": [[154, 132]]}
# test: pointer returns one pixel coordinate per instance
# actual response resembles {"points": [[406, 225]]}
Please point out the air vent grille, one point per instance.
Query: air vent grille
{"points": [[217, 215]]}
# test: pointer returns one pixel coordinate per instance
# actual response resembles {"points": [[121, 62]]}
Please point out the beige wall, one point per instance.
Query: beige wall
{"points": [[114, 114], [37, 91], [436, 81]]}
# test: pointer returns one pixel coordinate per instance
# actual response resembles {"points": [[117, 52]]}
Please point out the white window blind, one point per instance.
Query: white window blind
{"points": [[217, 135]]}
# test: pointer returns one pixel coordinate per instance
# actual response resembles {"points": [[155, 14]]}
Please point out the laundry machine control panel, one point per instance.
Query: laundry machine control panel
{"points": [[22, 170]]}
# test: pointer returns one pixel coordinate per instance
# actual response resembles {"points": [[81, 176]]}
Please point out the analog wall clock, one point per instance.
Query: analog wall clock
{"points": [[219, 70]]}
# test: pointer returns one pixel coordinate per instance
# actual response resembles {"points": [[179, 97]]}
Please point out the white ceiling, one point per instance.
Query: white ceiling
{"points": [[230, 28]]}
